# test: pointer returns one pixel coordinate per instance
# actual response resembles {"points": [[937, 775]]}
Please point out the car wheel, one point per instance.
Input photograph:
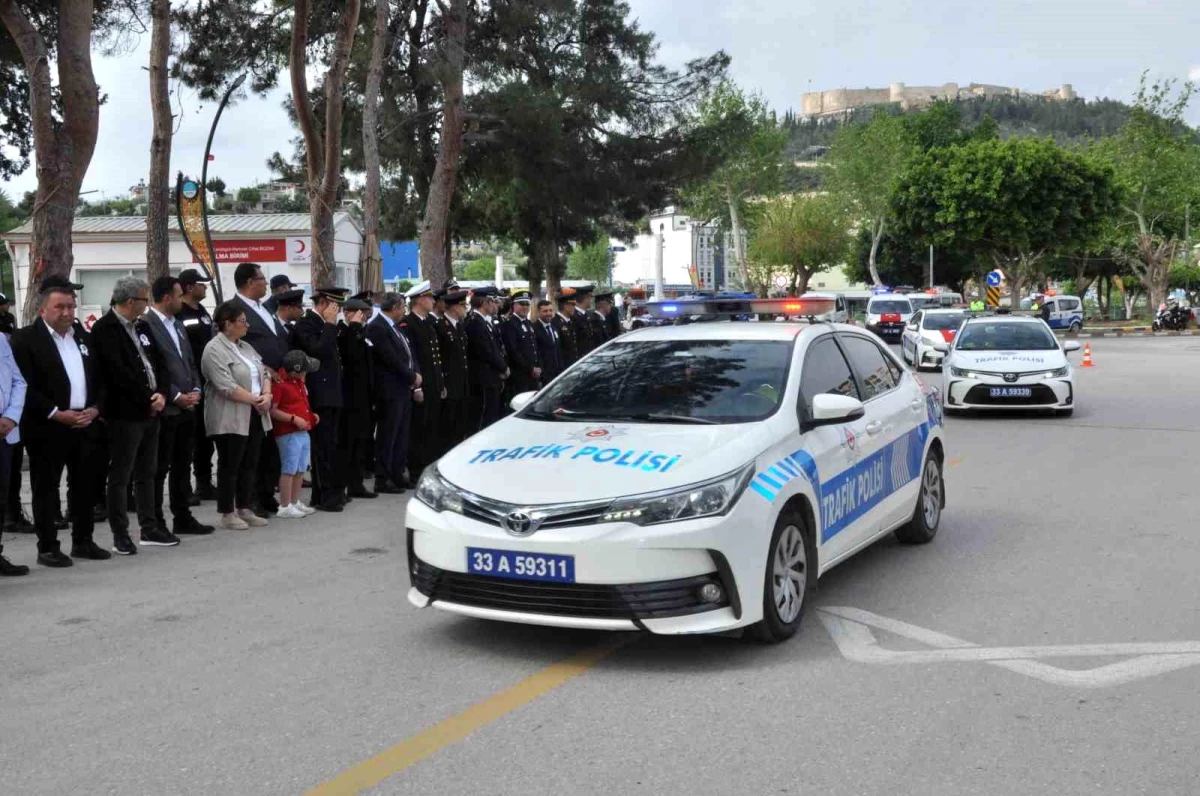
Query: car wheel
{"points": [[1076, 326], [928, 514], [789, 579]]}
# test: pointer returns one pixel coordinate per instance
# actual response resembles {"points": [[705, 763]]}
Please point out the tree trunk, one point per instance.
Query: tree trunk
{"points": [[434, 265], [876, 237], [63, 152], [323, 154], [800, 277], [552, 267], [372, 276], [739, 250], [158, 189]]}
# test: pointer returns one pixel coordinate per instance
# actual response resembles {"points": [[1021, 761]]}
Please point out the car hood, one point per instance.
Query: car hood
{"points": [[938, 335], [1008, 361], [535, 462]]}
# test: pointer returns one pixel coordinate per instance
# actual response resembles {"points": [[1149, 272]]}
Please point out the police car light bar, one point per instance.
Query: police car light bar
{"points": [[791, 307]]}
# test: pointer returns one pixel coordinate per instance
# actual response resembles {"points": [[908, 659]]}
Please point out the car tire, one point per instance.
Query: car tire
{"points": [[791, 543], [930, 500], [1075, 327]]}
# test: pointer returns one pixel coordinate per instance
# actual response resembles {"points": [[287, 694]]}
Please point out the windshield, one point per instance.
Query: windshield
{"points": [[1006, 337], [947, 320], [920, 302], [671, 381], [890, 306]]}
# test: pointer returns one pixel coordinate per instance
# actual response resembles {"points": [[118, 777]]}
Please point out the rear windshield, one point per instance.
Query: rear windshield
{"points": [[1006, 337], [890, 306], [948, 320], [920, 302]]}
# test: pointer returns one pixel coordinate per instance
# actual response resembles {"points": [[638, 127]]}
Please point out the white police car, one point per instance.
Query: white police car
{"points": [[683, 479], [1008, 362], [888, 314], [927, 329]]}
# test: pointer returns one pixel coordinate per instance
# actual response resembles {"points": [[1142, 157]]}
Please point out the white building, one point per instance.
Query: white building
{"points": [[107, 248], [686, 243]]}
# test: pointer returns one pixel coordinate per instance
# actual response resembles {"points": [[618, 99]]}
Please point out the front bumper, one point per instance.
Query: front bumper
{"points": [[627, 577], [962, 393], [888, 331]]}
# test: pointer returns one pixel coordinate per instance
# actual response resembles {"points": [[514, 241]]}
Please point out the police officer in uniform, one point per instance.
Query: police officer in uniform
{"points": [[485, 355], [419, 325], [358, 390], [197, 323], [316, 335], [452, 339], [521, 347], [597, 318], [564, 328], [584, 343]]}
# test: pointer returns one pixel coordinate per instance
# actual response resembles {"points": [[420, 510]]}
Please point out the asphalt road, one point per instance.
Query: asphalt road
{"points": [[274, 660]]}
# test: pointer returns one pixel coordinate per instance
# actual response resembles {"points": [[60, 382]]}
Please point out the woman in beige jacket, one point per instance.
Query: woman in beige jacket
{"points": [[237, 413]]}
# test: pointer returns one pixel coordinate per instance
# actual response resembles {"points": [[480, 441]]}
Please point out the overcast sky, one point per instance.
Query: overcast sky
{"points": [[779, 47]]}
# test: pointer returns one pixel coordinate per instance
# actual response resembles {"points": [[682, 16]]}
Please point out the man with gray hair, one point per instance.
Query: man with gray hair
{"points": [[132, 404]]}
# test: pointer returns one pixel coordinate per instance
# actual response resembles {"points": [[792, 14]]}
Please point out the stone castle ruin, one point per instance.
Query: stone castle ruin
{"points": [[840, 100]]}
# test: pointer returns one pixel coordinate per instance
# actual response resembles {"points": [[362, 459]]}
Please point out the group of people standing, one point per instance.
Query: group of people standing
{"points": [[353, 386]]}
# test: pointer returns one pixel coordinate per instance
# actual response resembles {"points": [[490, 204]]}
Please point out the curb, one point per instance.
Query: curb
{"points": [[1137, 331]]}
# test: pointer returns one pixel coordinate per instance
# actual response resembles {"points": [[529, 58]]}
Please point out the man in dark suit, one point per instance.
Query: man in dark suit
{"points": [[198, 325], [549, 352], [358, 386], [266, 335], [316, 335], [280, 283], [584, 343], [176, 431], [596, 319], [612, 318], [423, 441], [134, 397], [485, 356], [397, 379], [564, 327], [521, 346], [62, 398], [452, 338]]}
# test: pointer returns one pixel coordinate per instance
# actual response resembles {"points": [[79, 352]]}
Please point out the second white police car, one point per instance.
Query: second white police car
{"points": [[683, 479]]}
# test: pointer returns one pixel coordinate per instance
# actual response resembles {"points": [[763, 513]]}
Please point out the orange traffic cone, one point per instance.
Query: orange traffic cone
{"points": [[1087, 356]]}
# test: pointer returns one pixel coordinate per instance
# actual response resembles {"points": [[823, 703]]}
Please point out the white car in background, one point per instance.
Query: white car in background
{"points": [[724, 468], [925, 331], [887, 315], [1008, 362]]}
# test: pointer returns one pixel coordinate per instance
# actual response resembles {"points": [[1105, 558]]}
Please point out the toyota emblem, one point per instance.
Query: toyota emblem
{"points": [[1010, 377], [518, 523]]}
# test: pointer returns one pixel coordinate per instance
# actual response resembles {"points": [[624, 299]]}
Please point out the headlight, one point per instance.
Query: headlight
{"points": [[438, 493], [964, 374], [1054, 374], [706, 499]]}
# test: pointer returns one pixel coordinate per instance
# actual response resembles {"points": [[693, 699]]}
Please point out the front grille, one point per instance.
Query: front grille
{"points": [[1040, 395], [634, 602], [563, 515]]}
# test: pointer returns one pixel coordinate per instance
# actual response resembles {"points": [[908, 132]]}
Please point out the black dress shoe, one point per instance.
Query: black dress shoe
{"points": [[330, 507], [124, 546], [11, 570], [90, 551], [194, 501], [361, 492], [158, 537], [387, 488], [192, 526], [56, 559]]}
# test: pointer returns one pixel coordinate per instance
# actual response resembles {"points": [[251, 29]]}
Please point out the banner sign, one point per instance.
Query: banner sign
{"points": [[191, 209]]}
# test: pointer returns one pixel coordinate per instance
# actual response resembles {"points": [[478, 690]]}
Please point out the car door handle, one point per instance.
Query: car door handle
{"points": [[917, 405], [874, 427]]}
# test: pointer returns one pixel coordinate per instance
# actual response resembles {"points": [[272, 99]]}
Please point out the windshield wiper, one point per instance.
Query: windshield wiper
{"points": [[646, 417]]}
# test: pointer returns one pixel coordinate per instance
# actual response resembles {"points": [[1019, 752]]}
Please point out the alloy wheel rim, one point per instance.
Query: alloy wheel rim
{"points": [[790, 574], [931, 494]]}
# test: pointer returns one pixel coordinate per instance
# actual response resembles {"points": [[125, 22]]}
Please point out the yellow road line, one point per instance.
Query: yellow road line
{"points": [[404, 754], [955, 462]]}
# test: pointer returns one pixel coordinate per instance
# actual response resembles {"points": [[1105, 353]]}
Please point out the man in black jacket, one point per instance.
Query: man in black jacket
{"points": [[565, 328], [452, 338], [521, 346], [198, 325], [397, 379], [584, 343], [358, 385], [177, 427], [602, 304], [423, 441], [133, 400], [549, 352], [485, 356], [612, 318], [62, 399], [316, 335]]}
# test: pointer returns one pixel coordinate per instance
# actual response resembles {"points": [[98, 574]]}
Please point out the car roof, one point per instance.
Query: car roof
{"points": [[944, 311], [726, 330], [890, 296], [1005, 319]]}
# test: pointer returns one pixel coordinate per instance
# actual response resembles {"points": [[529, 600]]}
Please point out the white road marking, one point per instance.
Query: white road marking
{"points": [[850, 629]]}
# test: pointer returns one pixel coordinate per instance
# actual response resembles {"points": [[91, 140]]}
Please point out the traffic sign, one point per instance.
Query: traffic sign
{"points": [[993, 296], [993, 278]]}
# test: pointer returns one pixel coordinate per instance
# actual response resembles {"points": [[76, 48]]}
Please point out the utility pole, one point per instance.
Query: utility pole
{"points": [[931, 265], [659, 242]]}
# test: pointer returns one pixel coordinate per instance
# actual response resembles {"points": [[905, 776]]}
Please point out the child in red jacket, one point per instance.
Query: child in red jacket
{"points": [[293, 418]]}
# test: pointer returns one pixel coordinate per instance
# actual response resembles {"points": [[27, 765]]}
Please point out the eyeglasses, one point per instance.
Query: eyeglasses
{"points": [[242, 320]]}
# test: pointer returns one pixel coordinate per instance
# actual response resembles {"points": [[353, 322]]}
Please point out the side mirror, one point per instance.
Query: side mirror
{"points": [[829, 410], [912, 327], [942, 348], [522, 400], [1070, 345]]}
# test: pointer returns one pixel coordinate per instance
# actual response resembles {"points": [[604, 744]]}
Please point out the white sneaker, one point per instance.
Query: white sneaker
{"points": [[289, 513], [232, 522], [250, 518], [304, 509]]}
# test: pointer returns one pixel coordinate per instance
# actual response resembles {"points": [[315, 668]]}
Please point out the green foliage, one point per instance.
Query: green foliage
{"points": [[108, 207], [11, 217], [901, 260], [216, 186], [250, 196], [590, 261], [482, 269], [404, 285], [802, 235]]}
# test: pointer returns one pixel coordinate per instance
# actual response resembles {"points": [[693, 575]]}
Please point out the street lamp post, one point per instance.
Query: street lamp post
{"points": [[659, 242]]}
